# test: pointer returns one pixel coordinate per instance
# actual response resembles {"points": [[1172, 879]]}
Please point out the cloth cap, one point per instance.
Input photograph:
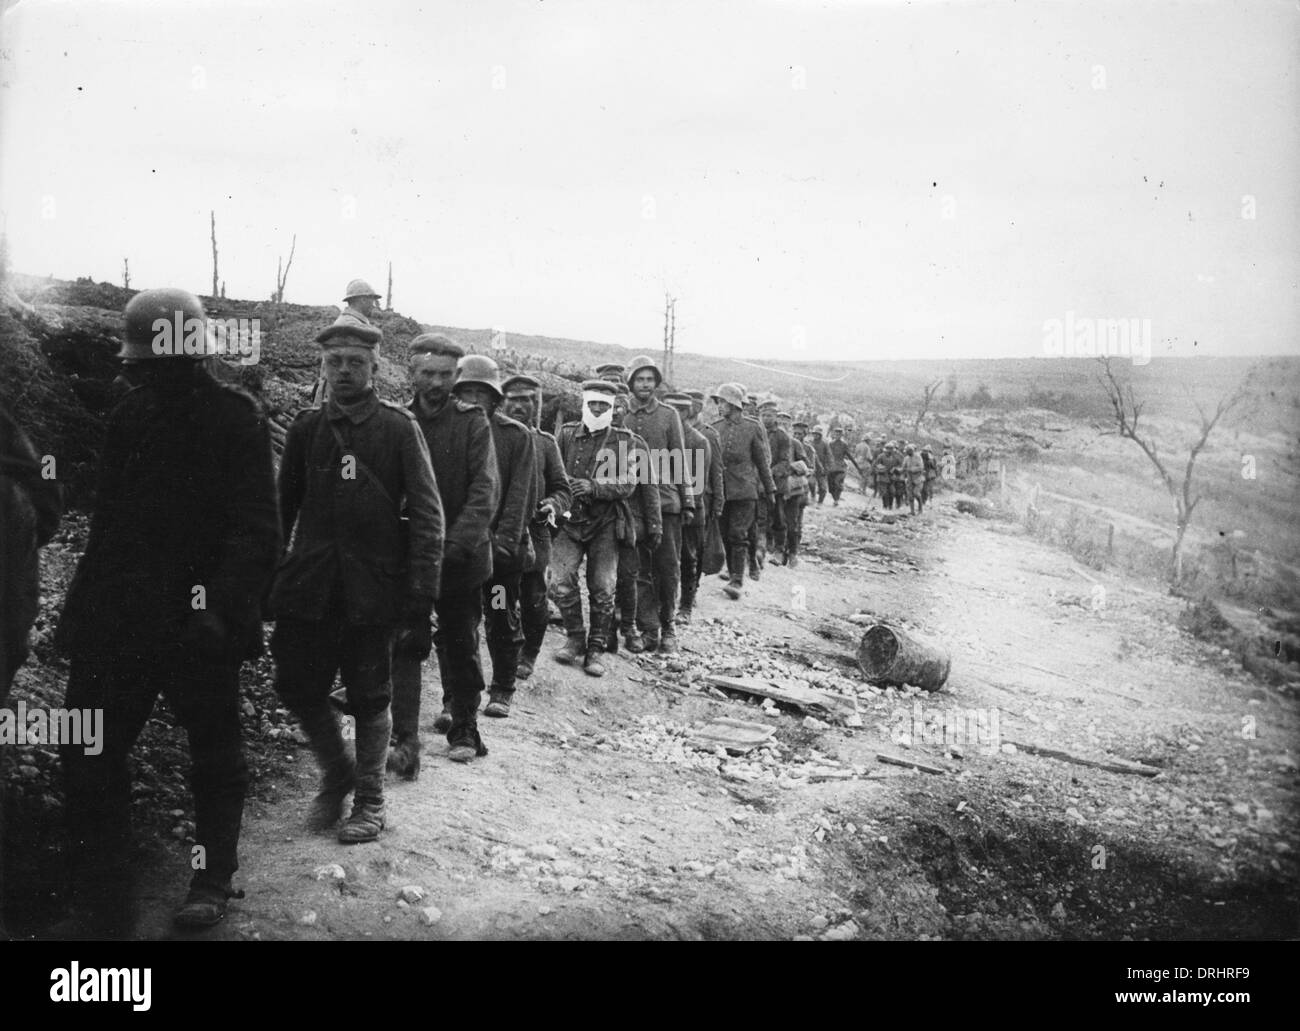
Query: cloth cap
{"points": [[336, 334]]}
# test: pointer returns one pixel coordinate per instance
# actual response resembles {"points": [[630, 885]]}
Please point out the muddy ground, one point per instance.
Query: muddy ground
{"points": [[591, 817]]}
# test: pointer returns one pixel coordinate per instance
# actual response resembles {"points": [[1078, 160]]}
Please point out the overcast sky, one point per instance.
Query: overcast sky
{"points": [[847, 180]]}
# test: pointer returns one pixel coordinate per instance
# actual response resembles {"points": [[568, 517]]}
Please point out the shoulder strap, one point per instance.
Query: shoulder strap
{"points": [[365, 469]]}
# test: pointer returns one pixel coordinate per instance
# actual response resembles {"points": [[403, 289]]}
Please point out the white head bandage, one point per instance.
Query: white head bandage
{"points": [[596, 423]]}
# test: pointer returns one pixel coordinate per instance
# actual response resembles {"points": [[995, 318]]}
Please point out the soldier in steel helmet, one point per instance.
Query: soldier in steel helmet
{"points": [[478, 382], [746, 474], [166, 600], [661, 567]]}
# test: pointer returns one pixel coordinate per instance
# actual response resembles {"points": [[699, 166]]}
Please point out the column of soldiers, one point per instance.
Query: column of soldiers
{"points": [[390, 532]]}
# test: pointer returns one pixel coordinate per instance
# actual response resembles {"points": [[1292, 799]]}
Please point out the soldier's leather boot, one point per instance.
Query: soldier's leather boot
{"points": [[527, 662], [498, 703], [572, 652], [337, 769], [633, 641], [367, 817], [404, 756]]}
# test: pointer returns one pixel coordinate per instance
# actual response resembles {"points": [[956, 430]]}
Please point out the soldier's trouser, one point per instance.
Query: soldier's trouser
{"points": [[205, 699], [455, 642], [532, 608], [737, 521], [927, 491], [821, 489], [504, 630], [601, 553], [692, 551], [660, 577], [835, 481], [629, 565], [757, 536], [776, 525], [793, 522]]}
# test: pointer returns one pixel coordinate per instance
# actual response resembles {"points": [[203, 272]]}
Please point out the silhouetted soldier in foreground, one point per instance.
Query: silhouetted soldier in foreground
{"points": [[166, 600]]}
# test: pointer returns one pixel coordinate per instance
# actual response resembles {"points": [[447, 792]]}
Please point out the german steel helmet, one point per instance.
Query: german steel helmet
{"points": [[478, 368], [175, 308]]}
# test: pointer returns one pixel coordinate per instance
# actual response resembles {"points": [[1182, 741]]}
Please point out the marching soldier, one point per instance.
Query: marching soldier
{"points": [[780, 453], [914, 471], [947, 463], [822, 452], [478, 381], [459, 439], [661, 429], [897, 474], [762, 509], [931, 473], [643, 524], [357, 574], [840, 460], [166, 599], [746, 473], [595, 454], [795, 497], [880, 475], [523, 403], [697, 454], [713, 487]]}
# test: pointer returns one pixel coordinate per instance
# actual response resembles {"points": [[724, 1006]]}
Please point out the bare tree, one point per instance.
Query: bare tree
{"points": [[282, 271], [926, 397], [388, 301], [213, 215], [126, 274], [1128, 410]]}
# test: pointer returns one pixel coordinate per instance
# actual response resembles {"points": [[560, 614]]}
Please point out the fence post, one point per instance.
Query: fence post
{"points": [[1110, 541], [1002, 478]]}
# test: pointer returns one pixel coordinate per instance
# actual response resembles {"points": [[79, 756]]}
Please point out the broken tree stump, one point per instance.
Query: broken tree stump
{"points": [[891, 657]]}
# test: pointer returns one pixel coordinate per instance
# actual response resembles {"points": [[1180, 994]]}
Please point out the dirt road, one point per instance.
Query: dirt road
{"points": [[591, 819]]}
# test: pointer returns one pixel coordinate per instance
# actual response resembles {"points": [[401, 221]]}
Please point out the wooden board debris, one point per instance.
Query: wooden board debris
{"points": [[736, 736], [895, 760], [1111, 765], [823, 704]]}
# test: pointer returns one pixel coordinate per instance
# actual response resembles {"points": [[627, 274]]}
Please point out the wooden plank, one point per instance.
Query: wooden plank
{"points": [[1111, 765], [736, 736], [894, 760], [805, 699]]}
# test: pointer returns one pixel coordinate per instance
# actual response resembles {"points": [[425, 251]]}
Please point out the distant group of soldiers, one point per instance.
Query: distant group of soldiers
{"points": [[392, 532]]}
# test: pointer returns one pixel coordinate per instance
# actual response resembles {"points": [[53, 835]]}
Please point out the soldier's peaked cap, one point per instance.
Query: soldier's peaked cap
{"points": [[520, 381], [336, 334], [678, 400], [602, 386], [609, 368], [694, 395]]}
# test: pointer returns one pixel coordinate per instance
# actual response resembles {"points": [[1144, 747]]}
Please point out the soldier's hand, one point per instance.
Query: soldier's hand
{"points": [[207, 634], [688, 517], [415, 642], [581, 489], [653, 541], [771, 497], [502, 557]]}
